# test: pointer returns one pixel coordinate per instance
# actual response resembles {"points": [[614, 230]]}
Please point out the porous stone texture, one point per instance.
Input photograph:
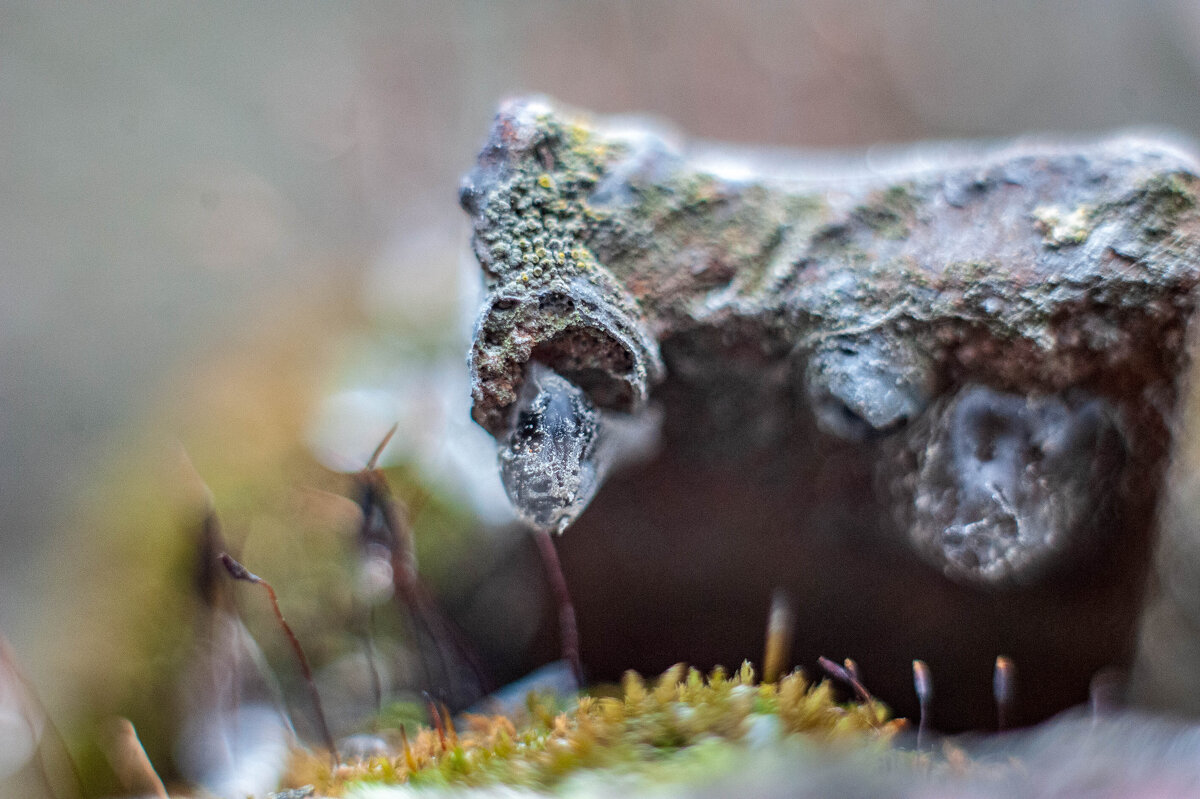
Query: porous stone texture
{"points": [[932, 399]]}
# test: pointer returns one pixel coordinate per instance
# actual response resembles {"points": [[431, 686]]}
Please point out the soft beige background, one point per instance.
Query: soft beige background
{"points": [[170, 171]]}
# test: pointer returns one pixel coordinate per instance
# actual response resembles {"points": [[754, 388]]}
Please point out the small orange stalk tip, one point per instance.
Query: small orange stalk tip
{"points": [[450, 731], [779, 637], [847, 676], [435, 717], [410, 762], [1004, 689], [923, 683], [833, 669]]}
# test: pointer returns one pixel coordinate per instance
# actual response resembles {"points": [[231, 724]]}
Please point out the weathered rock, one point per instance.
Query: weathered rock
{"points": [[933, 399]]}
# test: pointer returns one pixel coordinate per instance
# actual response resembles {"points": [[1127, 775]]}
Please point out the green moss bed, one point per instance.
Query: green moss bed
{"points": [[683, 728]]}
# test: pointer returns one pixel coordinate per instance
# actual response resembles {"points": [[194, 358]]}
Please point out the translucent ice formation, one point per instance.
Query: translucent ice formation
{"points": [[560, 446], [548, 461]]}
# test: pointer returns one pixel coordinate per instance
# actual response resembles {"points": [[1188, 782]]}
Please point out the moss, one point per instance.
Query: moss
{"points": [[669, 730]]}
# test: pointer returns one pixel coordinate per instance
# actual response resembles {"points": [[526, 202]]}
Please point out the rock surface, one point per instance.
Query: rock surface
{"points": [[931, 399]]}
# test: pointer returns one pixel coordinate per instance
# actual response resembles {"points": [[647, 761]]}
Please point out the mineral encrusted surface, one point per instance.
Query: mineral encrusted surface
{"points": [[931, 396]]}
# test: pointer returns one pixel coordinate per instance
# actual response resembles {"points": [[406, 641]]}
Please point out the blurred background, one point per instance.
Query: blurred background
{"points": [[218, 222]]}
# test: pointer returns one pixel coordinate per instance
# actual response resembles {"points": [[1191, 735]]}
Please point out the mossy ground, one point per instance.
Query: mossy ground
{"points": [[126, 596], [685, 726]]}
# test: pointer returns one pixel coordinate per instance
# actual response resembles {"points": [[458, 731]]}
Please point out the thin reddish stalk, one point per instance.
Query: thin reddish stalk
{"points": [[567, 625], [374, 459], [450, 644], [850, 677], [846, 676], [435, 717], [240, 572]]}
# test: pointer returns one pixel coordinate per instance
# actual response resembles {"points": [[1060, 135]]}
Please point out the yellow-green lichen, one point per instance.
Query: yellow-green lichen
{"points": [[536, 219], [1061, 227]]}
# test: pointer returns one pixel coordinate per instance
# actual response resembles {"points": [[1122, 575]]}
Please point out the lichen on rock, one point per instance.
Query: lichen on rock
{"points": [[808, 331]]}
